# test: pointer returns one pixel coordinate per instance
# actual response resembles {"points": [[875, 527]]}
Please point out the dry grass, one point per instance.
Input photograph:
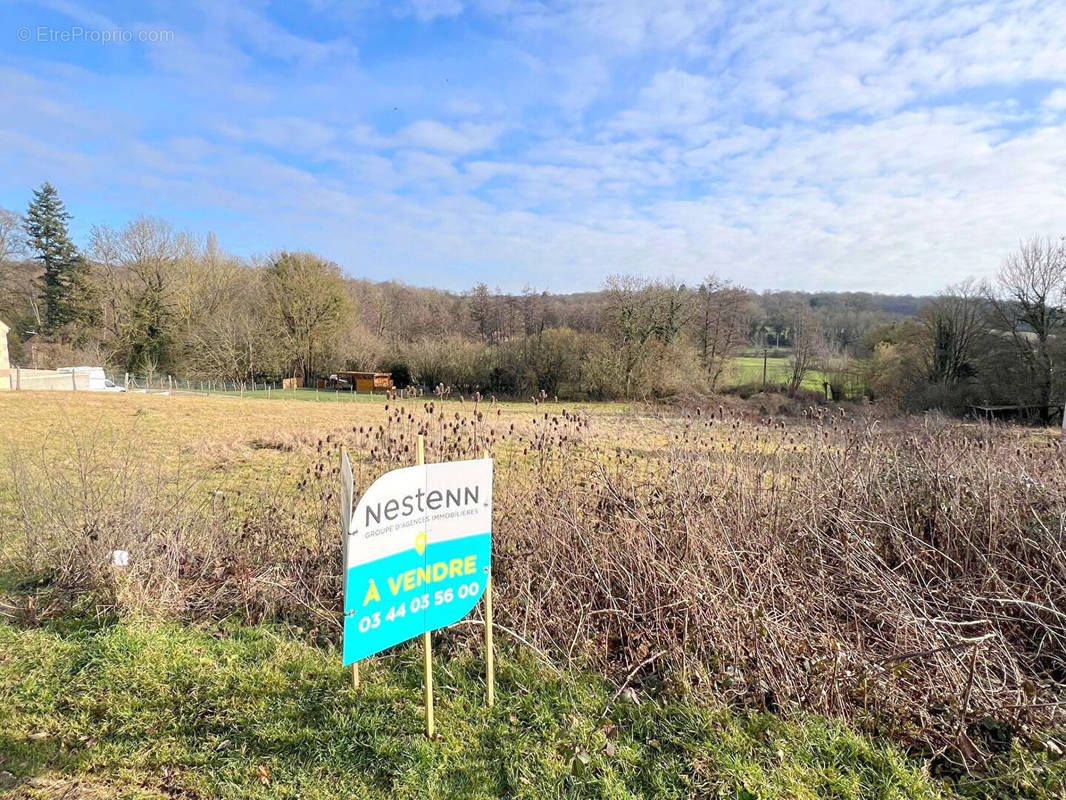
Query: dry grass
{"points": [[909, 575]]}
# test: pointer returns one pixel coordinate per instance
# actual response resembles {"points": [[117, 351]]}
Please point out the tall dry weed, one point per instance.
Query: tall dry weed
{"points": [[909, 575]]}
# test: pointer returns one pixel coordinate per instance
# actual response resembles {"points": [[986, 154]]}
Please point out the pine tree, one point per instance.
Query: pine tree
{"points": [[46, 230]]}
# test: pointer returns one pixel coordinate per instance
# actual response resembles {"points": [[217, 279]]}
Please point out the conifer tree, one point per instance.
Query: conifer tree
{"points": [[49, 239]]}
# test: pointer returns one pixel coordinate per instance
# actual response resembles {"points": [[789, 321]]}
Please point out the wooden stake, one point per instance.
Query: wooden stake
{"points": [[427, 642], [490, 666], [490, 656], [427, 649], [346, 519]]}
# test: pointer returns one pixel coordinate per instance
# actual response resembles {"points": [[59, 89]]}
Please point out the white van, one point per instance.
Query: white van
{"points": [[98, 381]]}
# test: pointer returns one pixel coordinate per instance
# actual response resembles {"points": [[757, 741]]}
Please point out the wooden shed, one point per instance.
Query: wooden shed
{"points": [[367, 381]]}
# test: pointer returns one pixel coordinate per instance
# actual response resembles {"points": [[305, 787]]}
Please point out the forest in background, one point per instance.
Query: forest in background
{"points": [[147, 298]]}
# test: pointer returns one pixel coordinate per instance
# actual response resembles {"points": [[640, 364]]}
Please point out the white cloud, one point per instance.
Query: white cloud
{"points": [[464, 138], [418, 166], [427, 10], [1056, 100], [829, 58], [283, 133], [80, 14], [625, 26], [729, 143], [248, 25], [672, 99]]}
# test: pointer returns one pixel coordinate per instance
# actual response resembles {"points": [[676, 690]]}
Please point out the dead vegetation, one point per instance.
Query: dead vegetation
{"points": [[912, 578], [908, 575]]}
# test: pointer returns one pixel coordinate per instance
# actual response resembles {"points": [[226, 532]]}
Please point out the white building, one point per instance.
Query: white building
{"points": [[6, 378]]}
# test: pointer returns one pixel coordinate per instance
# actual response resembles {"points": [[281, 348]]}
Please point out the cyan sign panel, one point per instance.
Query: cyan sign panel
{"points": [[417, 553]]}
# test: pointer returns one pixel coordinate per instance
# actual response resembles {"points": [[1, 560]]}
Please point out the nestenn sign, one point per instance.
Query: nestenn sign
{"points": [[417, 553]]}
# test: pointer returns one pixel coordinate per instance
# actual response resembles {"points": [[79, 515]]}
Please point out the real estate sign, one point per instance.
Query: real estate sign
{"points": [[417, 553]]}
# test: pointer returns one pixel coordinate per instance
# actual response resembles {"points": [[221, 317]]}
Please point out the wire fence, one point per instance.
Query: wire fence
{"points": [[170, 383], [271, 389]]}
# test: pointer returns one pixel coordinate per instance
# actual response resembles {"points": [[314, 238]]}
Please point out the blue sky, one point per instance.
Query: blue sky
{"points": [[890, 146]]}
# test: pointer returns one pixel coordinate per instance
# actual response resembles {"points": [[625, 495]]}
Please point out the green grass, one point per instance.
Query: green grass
{"points": [[143, 710], [748, 369]]}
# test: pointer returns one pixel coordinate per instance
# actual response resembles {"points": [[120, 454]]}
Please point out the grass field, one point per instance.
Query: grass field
{"points": [[98, 704], [238, 712], [749, 370]]}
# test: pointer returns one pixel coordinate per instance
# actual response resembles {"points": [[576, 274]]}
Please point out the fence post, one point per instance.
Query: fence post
{"points": [[18, 377], [74, 381]]}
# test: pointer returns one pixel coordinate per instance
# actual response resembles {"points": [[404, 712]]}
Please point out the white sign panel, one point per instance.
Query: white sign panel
{"points": [[417, 553]]}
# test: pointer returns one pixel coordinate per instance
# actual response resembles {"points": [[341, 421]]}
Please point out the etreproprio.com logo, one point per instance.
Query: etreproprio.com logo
{"points": [[76, 34]]}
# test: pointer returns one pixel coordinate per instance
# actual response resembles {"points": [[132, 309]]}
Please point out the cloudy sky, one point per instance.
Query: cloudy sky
{"points": [[885, 146]]}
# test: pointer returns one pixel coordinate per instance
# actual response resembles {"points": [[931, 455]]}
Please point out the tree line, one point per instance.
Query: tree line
{"points": [[149, 299]]}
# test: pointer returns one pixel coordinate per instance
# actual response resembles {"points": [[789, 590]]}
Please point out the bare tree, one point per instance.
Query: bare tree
{"points": [[954, 325], [12, 240], [234, 344], [533, 322], [637, 313], [808, 347], [485, 312], [144, 269], [721, 321], [1028, 308], [18, 293]]}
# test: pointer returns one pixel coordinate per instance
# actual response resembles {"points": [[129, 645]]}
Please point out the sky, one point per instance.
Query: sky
{"points": [[889, 146]]}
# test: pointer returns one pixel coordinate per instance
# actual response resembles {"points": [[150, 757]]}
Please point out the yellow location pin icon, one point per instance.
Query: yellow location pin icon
{"points": [[420, 543]]}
